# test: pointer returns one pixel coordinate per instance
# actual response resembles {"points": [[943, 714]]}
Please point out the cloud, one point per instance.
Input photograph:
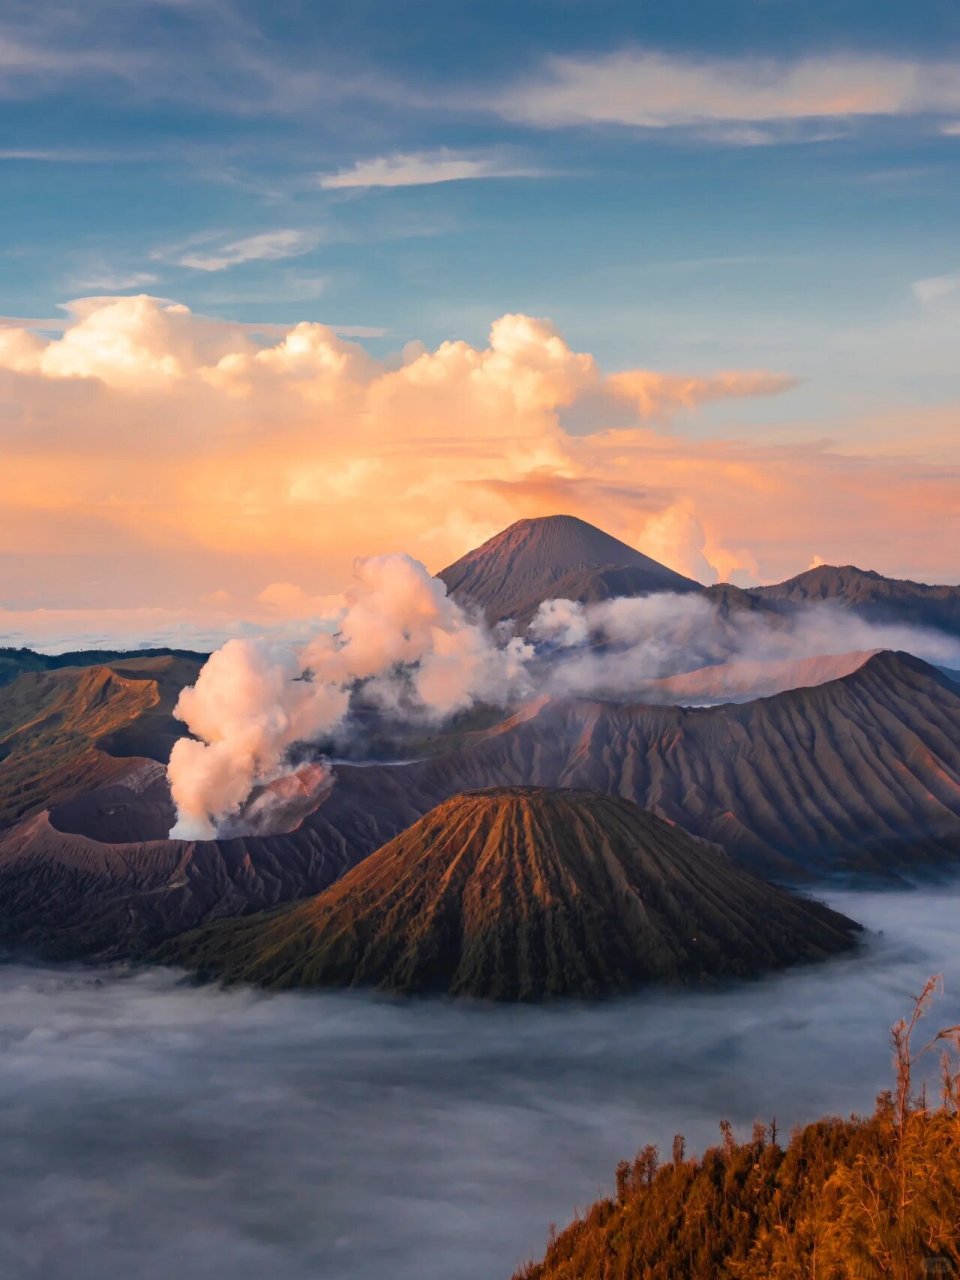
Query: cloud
{"points": [[152, 455], [452, 1136], [951, 129], [423, 168], [933, 288], [107, 278], [290, 600], [622, 648], [268, 246], [417, 653], [28, 66], [653, 90], [400, 644], [59, 155]]}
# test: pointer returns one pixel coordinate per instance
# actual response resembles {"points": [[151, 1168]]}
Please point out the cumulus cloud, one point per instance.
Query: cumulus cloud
{"points": [[654, 90], [423, 168], [152, 454]]}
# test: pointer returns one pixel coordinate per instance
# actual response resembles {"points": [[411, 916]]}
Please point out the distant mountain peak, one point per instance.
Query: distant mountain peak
{"points": [[550, 557]]}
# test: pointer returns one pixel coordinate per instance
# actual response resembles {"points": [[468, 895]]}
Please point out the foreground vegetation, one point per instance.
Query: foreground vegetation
{"points": [[845, 1199]]}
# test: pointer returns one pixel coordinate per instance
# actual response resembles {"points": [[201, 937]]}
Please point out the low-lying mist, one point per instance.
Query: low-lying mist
{"points": [[156, 1129]]}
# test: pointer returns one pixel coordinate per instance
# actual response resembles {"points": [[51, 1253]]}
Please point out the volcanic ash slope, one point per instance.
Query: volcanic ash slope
{"points": [[523, 893]]}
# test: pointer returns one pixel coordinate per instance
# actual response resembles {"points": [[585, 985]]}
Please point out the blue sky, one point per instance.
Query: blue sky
{"points": [[143, 143], [762, 190]]}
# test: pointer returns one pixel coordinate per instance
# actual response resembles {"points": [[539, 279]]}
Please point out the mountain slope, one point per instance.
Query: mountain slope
{"points": [[61, 730], [870, 595], [861, 771], [520, 894], [745, 679], [823, 1204], [70, 895], [553, 557], [861, 774], [15, 662]]}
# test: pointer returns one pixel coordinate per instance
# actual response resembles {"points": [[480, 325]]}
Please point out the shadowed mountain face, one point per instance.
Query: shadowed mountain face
{"points": [[553, 557], [860, 774], [521, 894]]}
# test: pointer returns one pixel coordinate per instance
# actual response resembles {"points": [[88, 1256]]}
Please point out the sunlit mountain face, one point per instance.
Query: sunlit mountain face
{"points": [[479, 640]]}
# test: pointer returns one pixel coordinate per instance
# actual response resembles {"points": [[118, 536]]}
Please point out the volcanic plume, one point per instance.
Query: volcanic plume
{"points": [[396, 634]]}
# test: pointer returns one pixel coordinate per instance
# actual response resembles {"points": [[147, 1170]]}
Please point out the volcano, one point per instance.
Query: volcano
{"points": [[525, 893], [553, 558], [859, 776]]}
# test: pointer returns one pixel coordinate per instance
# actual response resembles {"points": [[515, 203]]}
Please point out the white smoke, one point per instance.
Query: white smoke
{"points": [[399, 642], [414, 651], [618, 648]]}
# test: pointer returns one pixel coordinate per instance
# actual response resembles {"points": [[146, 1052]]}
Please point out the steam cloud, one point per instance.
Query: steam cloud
{"points": [[414, 652], [616, 648], [401, 644]]}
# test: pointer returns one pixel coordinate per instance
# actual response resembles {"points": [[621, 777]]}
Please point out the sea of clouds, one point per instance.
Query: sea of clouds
{"points": [[157, 1129]]}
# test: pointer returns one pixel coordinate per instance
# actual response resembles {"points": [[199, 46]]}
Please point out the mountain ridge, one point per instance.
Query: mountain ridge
{"points": [[857, 777]]}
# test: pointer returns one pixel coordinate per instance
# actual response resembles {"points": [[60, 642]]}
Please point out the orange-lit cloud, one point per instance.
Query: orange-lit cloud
{"points": [[155, 459], [650, 89]]}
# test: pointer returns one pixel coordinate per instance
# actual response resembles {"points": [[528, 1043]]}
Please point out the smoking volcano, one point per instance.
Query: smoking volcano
{"points": [[848, 762]]}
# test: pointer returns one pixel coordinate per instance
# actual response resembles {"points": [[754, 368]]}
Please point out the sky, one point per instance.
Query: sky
{"points": [[288, 284]]}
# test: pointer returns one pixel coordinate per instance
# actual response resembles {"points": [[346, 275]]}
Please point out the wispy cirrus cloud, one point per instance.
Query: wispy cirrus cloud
{"points": [[32, 65], [424, 168], [653, 90], [215, 54], [113, 280], [267, 246], [60, 155]]}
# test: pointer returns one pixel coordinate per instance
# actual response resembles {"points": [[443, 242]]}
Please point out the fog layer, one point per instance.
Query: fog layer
{"points": [[154, 1129]]}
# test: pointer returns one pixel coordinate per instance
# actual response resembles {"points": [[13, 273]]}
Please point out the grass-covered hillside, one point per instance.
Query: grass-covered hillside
{"points": [[843, 1199]]}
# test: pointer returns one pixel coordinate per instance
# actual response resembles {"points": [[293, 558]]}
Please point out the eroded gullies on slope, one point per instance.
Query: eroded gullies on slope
{"points": [[523, 893]]}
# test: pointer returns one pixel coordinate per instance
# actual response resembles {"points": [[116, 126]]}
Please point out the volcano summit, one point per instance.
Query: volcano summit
{"points": [[553, 558]]}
